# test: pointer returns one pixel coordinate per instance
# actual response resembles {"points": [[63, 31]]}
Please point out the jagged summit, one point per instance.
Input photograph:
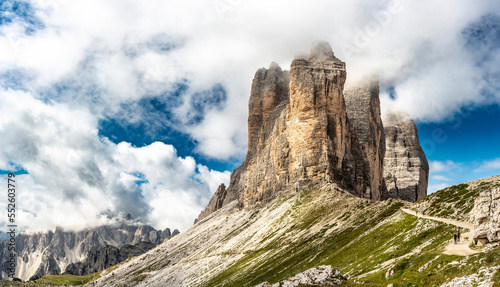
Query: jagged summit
{"points": [[303, 130], [322, 51]]}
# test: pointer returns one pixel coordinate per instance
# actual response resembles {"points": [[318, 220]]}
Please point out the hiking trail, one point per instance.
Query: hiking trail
{"points": [[462, 247]]}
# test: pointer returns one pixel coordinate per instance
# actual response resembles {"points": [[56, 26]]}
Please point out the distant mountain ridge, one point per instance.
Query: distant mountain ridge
{"points": [[50, 253]]}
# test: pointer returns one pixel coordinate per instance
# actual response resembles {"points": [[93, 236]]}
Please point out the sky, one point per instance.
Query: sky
{"points": [[140, 107]]}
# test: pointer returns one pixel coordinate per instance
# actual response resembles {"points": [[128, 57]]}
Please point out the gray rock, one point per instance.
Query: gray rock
{"points": [[215, 202], [107, 257], [486, 216], [50, 253], [303, 131], [165, 233], [363, 110], [406, 171], [325, 275]]}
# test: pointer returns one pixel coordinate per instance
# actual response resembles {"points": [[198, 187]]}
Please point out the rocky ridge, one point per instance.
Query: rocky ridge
{"points": [[107, 257], [304, 130], [275, 241], [50, 253]]}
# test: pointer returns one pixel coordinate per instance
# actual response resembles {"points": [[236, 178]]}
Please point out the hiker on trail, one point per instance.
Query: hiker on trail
{"points": [[458, 235], [455, 238], [423, 213]]}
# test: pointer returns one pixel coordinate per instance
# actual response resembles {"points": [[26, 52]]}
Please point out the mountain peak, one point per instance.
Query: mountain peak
{"points": [[128, 217], [301, 134], [321, 51]]}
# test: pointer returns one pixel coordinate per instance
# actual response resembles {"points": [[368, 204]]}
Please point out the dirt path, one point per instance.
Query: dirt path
{"points": [[462, 247]]}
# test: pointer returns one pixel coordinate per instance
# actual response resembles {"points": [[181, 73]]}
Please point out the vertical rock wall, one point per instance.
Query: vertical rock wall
{"points": [[363, 109], [301, 132], [486, 216], [406, 171]]}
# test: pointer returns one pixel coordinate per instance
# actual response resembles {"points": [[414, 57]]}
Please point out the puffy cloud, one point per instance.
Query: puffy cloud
{"points": [[442, 166], [488, 165], [74, 175], [116, 52], [441, 178]]}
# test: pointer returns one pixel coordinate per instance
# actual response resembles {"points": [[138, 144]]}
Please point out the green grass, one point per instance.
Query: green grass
{"points": [[67, 279], [357, 249], [455, 201]]}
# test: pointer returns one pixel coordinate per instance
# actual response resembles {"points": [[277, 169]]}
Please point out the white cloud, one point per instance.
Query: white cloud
{"points": [[74, 175], [441, 178], [442, 166], [212, 177], [409, 44], [493, 164]]}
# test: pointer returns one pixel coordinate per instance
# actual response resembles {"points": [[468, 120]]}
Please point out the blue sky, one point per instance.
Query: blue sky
{"points": [[463, 148], [141, 107]]}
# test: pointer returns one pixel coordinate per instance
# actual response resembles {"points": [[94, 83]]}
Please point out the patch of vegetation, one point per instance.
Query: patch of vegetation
{"points": [[456, 201], [437, 272], [68, 279], [139, 278], [356, 250], [7, 283], [496, 279]]}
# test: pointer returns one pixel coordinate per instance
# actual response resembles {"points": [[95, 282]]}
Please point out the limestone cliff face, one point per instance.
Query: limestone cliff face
{"points": [[107, 257], [301, 133], [322, 146], [215, 202], [486, 216], [406, 171], [363, 109], [298, 133]]}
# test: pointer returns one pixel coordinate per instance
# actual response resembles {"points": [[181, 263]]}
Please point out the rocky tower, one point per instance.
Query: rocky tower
{"points": [[322, 146], [363, 110], [301, 133], [298, 133], [406, 171]]}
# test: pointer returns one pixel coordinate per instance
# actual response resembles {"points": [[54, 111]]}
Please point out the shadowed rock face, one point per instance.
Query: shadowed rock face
{"points": [[215, 202], [107, 257], [301, 133], [363, 110], [406, 171]]}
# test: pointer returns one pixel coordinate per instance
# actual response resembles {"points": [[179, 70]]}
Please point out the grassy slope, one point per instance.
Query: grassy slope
{"points": [[71, 280], [68, 279], [456, 202], [382, 234]]}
